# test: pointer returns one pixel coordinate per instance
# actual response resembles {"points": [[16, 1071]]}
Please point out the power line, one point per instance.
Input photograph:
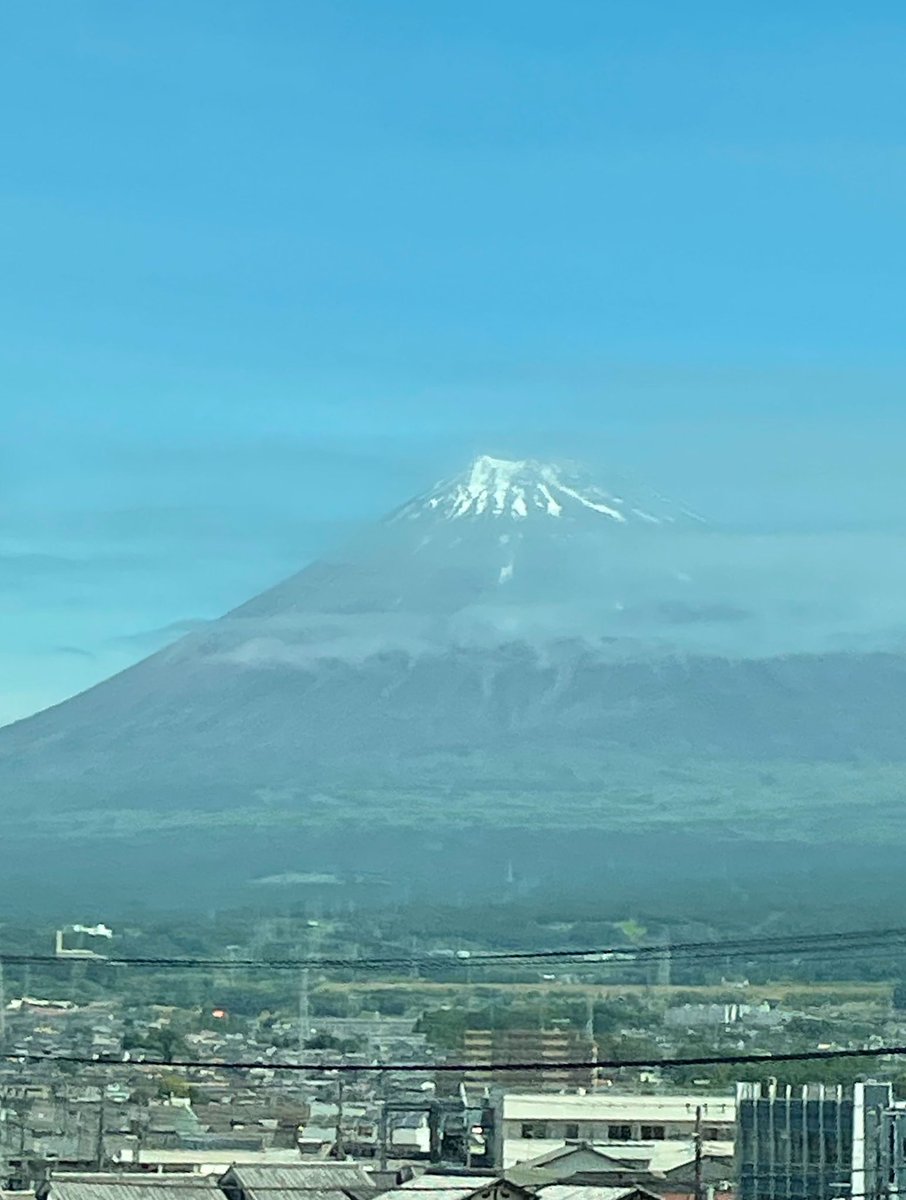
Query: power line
{"points": [[170, 1184], [786, 944], [166, 1181], [611, 1064], [790, 944]]}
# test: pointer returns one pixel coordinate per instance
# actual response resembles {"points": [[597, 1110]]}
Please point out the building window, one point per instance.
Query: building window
{"points": [[619, 1133], [534, 1129], [716, 1133], [653, 1133], [571, 1133]]}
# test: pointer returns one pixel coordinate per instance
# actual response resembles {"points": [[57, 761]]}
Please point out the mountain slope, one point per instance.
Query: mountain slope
{"points": [[518, 632]]}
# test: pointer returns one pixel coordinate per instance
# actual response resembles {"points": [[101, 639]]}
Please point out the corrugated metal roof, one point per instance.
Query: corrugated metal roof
{"points": [[585, 1158], [147, 1189], [572, 1158], [451, 1187], [327, 1180], [576, 1191], [548, 1155], [334, 1174]]}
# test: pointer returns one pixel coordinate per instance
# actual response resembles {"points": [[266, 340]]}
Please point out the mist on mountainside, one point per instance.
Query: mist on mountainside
{"points": [[536, 553]]}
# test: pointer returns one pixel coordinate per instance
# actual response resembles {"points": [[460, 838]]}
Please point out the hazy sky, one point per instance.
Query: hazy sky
{"points": [[269, 268]]}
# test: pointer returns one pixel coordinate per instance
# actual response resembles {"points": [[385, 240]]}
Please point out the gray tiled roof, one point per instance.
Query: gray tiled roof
{"points": [[320, 1181], [149, 1188]]}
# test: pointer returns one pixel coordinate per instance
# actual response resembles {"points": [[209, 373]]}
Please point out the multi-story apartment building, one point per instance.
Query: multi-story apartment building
{"points": [[553, 1046]]}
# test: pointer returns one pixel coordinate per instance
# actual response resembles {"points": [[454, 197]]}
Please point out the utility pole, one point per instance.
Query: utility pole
{"points": [[303, 1033], [102, 1121], [881, 1182], [2, 1008], [413, 966], [232, 955], [663, 961], [4, 1166], [466, 1126], [311, 942], [338, 1146], [141, 1125], [699, 1191], [382, 1119], [304, 1013]]}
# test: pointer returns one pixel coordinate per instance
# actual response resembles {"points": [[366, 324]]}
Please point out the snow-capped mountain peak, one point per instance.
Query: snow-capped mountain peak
{"points": [[519, 489]]}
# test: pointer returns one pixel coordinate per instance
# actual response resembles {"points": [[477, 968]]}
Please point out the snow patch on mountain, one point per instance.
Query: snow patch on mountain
{"points": [[519, 489]]}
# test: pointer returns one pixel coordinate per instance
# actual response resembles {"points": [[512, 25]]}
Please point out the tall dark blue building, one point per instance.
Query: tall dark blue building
{"points": [[813, 1143]]}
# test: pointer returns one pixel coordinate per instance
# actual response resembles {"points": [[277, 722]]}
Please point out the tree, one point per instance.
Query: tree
{"points": [[165, 1043], [175, 1085]]}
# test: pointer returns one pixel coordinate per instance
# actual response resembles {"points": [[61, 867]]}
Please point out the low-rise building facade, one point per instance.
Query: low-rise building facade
{"points": [[533, 1123]]}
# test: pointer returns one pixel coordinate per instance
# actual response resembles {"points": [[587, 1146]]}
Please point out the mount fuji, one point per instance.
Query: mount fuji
{"points": [[520, 652]]}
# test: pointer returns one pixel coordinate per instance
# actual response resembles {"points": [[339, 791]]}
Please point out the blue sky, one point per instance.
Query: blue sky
{"points": [[269, 268]]}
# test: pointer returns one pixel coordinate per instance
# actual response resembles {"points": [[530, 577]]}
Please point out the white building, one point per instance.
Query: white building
{"points": [[534, 1123]]}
